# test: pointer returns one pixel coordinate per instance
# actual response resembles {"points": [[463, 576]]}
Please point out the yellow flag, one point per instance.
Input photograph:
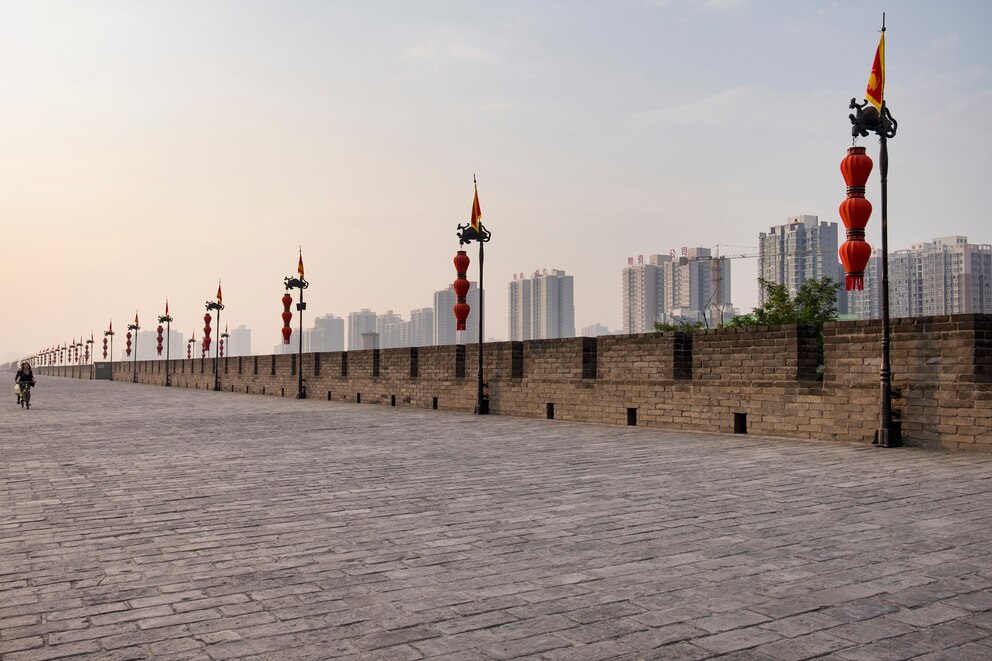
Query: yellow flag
{"points": [[876, 80]]}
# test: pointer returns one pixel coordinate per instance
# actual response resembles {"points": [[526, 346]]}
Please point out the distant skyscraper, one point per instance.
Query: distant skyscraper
{"points": [[697, 288], [239, 341], [542, 306], [421, 327], [643, 293], [520, 303], [802, 249], [595, 330], [392, 330], [363, 321], [947, 276], [327, 334], [444, 318]]}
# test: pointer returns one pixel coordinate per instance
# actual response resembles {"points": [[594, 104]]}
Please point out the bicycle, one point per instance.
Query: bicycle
{"points": [[24, 394]]}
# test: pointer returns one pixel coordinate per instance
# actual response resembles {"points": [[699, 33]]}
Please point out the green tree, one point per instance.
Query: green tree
{"points": [[684, 326], [814, 304]]}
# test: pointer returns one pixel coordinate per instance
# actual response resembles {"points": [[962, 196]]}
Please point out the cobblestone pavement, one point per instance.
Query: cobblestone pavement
{"points": [[142, 522]]}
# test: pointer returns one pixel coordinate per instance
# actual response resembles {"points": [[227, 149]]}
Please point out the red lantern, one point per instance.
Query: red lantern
{"points": [[159, 347], [206, 334], [287, 316], [855, 211], [461, 286], [105, 348], [128, 336]]}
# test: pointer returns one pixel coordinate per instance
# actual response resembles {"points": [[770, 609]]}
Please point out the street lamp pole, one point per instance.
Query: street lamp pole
{"points": [[476, 231], [134, 360], [217, 306], [167, 320], [867, 118], [301, 284], [109, 333]]}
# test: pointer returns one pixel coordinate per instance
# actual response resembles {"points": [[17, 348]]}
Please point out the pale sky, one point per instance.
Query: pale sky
{"points": [[150, 148]]}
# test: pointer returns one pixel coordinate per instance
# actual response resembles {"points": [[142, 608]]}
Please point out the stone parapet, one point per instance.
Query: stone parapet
{"points": [[762, 379]]}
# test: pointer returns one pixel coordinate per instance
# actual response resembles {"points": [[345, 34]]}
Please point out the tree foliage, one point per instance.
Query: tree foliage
{"points": [[684, 326], [814, 304]]}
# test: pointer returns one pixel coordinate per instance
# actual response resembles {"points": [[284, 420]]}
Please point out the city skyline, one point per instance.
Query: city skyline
{"points": [[310, 124]]}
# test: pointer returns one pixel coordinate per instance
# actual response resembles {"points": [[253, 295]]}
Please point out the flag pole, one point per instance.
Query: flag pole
{"points": [[476, 231], [480, 408], [885, 436]]}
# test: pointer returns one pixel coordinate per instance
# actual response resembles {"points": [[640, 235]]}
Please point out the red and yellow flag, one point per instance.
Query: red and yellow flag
{"points": [[299, 267], [476, 210], [135, 318], [876, 80], [220, 296], [166, 307]]}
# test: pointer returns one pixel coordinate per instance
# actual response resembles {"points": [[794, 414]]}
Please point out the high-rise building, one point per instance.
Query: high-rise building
{"points": [[595, 330], [542, 306], [392, 330], [643, 293], [421, 327], [327, 334], [363, 321], [239, 342], [803, 249], [697, 288], [947, 276], [520, 304], [444, 318]]}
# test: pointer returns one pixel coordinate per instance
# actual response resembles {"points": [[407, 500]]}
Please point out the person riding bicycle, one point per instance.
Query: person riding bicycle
{"points": [[23, 378]]}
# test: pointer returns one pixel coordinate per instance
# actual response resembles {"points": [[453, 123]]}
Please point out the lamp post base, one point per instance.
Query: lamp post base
{"points": [[888, 438]]}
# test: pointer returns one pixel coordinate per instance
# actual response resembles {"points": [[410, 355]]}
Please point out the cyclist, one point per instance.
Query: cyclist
{"points": [[23, 379]]}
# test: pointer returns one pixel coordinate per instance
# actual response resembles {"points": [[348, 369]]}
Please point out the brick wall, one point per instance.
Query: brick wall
{"points": [[703, 381]]}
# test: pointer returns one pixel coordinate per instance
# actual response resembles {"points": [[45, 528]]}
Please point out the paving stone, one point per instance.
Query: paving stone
{"points": [[189, 524]]}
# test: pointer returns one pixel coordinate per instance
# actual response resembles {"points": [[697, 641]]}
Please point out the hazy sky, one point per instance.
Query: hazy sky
{"points": [[150, 148]]}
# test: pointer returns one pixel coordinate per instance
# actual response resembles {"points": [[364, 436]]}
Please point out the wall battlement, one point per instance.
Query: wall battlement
{"points": [[703, 381]]}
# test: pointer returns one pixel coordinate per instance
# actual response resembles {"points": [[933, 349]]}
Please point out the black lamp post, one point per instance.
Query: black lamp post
{"points": [[218, 306], [879, 121], [134, 360], [301, 284], [476, 231], [167, 320], [109, 333]]}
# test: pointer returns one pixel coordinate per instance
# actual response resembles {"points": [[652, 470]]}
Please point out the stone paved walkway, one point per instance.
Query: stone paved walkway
{"points": [[141, 522]]}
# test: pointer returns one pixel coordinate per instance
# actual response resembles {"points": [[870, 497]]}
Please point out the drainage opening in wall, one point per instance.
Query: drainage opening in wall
{"points": [[740, 423], [632, 417], [263, 390], [358, 398], [434, 403], [549, 410], [392, 400], [328, 395]]}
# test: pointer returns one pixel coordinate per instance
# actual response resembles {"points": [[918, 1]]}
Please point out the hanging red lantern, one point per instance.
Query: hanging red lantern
{"points": [[105, 348], [128, 336], [159, 347], [461, 286], [86, 355], [287, 316], [206, 334], [855, 211]]}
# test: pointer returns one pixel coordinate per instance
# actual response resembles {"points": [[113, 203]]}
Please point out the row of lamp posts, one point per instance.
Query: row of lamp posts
{"points": [[854, 254]]}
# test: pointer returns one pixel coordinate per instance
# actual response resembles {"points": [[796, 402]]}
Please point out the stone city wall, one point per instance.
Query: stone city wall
{"points": [[713, 380]]}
